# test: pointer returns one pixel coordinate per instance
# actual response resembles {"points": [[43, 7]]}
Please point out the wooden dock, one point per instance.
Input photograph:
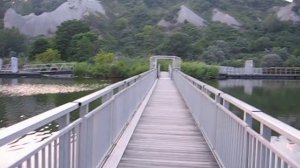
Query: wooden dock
{"points": [[166, 135]]}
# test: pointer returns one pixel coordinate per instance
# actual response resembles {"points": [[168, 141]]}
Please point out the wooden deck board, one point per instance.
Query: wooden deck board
{"points": [[166, 135]]}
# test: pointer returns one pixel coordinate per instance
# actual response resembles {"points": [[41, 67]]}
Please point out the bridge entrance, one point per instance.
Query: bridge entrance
{"points": [[176, 61]]}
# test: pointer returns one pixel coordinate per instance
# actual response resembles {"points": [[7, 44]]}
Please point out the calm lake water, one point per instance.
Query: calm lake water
{"points": [[278, 98], [23, 98]]}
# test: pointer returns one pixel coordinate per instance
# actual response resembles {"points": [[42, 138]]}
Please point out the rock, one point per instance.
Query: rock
{"points": [[184, 15], [287, 14], [187, 15], [225, 18], [46, 23], [164, 23]]}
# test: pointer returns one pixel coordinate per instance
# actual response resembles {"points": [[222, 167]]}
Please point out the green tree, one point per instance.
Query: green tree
{"points": [[82, 46], [271, 60], [292, 62], [50, 55], [282, 52], [297, 52], [11, 40], [38, 46], [261, 44], [150, 38], [213, 54], [272, 23], [178, 44], [104, 57], [64, 35]]}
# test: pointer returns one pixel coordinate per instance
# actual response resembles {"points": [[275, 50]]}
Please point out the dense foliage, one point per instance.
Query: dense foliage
{"points": [[200, 70], [107, 65], [129, 30]]}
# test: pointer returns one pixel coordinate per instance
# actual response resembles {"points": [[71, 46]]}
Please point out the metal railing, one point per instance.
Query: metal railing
{"points": [[51, 67], [228, 125], [85, 141], [5, 68], [239, 71], [282, 71]]}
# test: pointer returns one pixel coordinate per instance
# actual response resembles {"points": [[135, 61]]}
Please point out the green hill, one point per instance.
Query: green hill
{"points": [[232, 31]]}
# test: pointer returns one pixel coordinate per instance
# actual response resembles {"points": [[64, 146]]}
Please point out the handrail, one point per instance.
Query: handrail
{"points": [[211, 108], [22, 128], [93, 96], [275, 124], [282, 128], [70, 145]]}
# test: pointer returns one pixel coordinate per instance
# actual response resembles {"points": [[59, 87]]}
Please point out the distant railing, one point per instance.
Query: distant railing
{"points": [[86, 140], [238, 134], [240, 71], [282, 71], [6, 68], [48, 67]]}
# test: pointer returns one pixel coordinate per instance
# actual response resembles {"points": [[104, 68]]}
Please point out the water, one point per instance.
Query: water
{"points": [[23, 98], [278, 98]]}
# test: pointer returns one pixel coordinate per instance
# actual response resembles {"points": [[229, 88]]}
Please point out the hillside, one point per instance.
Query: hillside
{"points": [[215, 31]]}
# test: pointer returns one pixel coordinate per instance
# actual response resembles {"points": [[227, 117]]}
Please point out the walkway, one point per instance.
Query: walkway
{"points": [[166, 135]]}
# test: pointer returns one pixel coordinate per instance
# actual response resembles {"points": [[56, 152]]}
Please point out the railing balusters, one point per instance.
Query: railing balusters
{"points": [[36, 160], [235, 137]]}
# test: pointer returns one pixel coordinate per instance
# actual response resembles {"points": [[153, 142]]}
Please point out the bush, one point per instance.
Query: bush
{"points": [[200, 70], [82, 69], [271, 60], [49, 56], [110, 68]]}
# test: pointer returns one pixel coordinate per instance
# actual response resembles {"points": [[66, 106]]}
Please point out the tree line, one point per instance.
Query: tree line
{"points": [[133, 33]]}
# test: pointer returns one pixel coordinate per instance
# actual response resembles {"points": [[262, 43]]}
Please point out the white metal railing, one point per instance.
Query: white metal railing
{"points": [[49, 67], [228, 125], [86, 141], [6, 68], [239, 71]]}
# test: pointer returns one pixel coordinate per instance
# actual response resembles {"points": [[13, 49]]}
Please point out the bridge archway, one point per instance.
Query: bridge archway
{"points": [[176, 61]]}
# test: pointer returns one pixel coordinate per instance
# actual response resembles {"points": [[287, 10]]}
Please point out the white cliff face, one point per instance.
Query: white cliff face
{"points": [[225, 18], [287, 14], [185, 14], [46, 23]]}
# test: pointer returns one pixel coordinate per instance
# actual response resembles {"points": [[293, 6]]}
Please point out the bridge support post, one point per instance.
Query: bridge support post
{"points": [[64, 142], [1, 63], [82, 156], [266, 132]]}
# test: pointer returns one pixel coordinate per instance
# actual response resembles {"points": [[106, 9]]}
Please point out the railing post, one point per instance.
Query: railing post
{"points": [[158, 71], [217, 101], [249, 121], [82, 156], [265, 131], [64, 142]]}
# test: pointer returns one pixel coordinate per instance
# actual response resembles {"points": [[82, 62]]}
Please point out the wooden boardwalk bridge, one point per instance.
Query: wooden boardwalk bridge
{"points": [[145, 121], [167, 135]]}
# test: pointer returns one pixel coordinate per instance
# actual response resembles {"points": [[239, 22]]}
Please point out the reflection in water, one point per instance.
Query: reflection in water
{"points": [[29, 89], [246, 84], [278, 98], [23, 98]]}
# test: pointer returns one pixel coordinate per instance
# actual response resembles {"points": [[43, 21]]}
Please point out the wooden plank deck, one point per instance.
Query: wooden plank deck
{"points": [[166, 135]]}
